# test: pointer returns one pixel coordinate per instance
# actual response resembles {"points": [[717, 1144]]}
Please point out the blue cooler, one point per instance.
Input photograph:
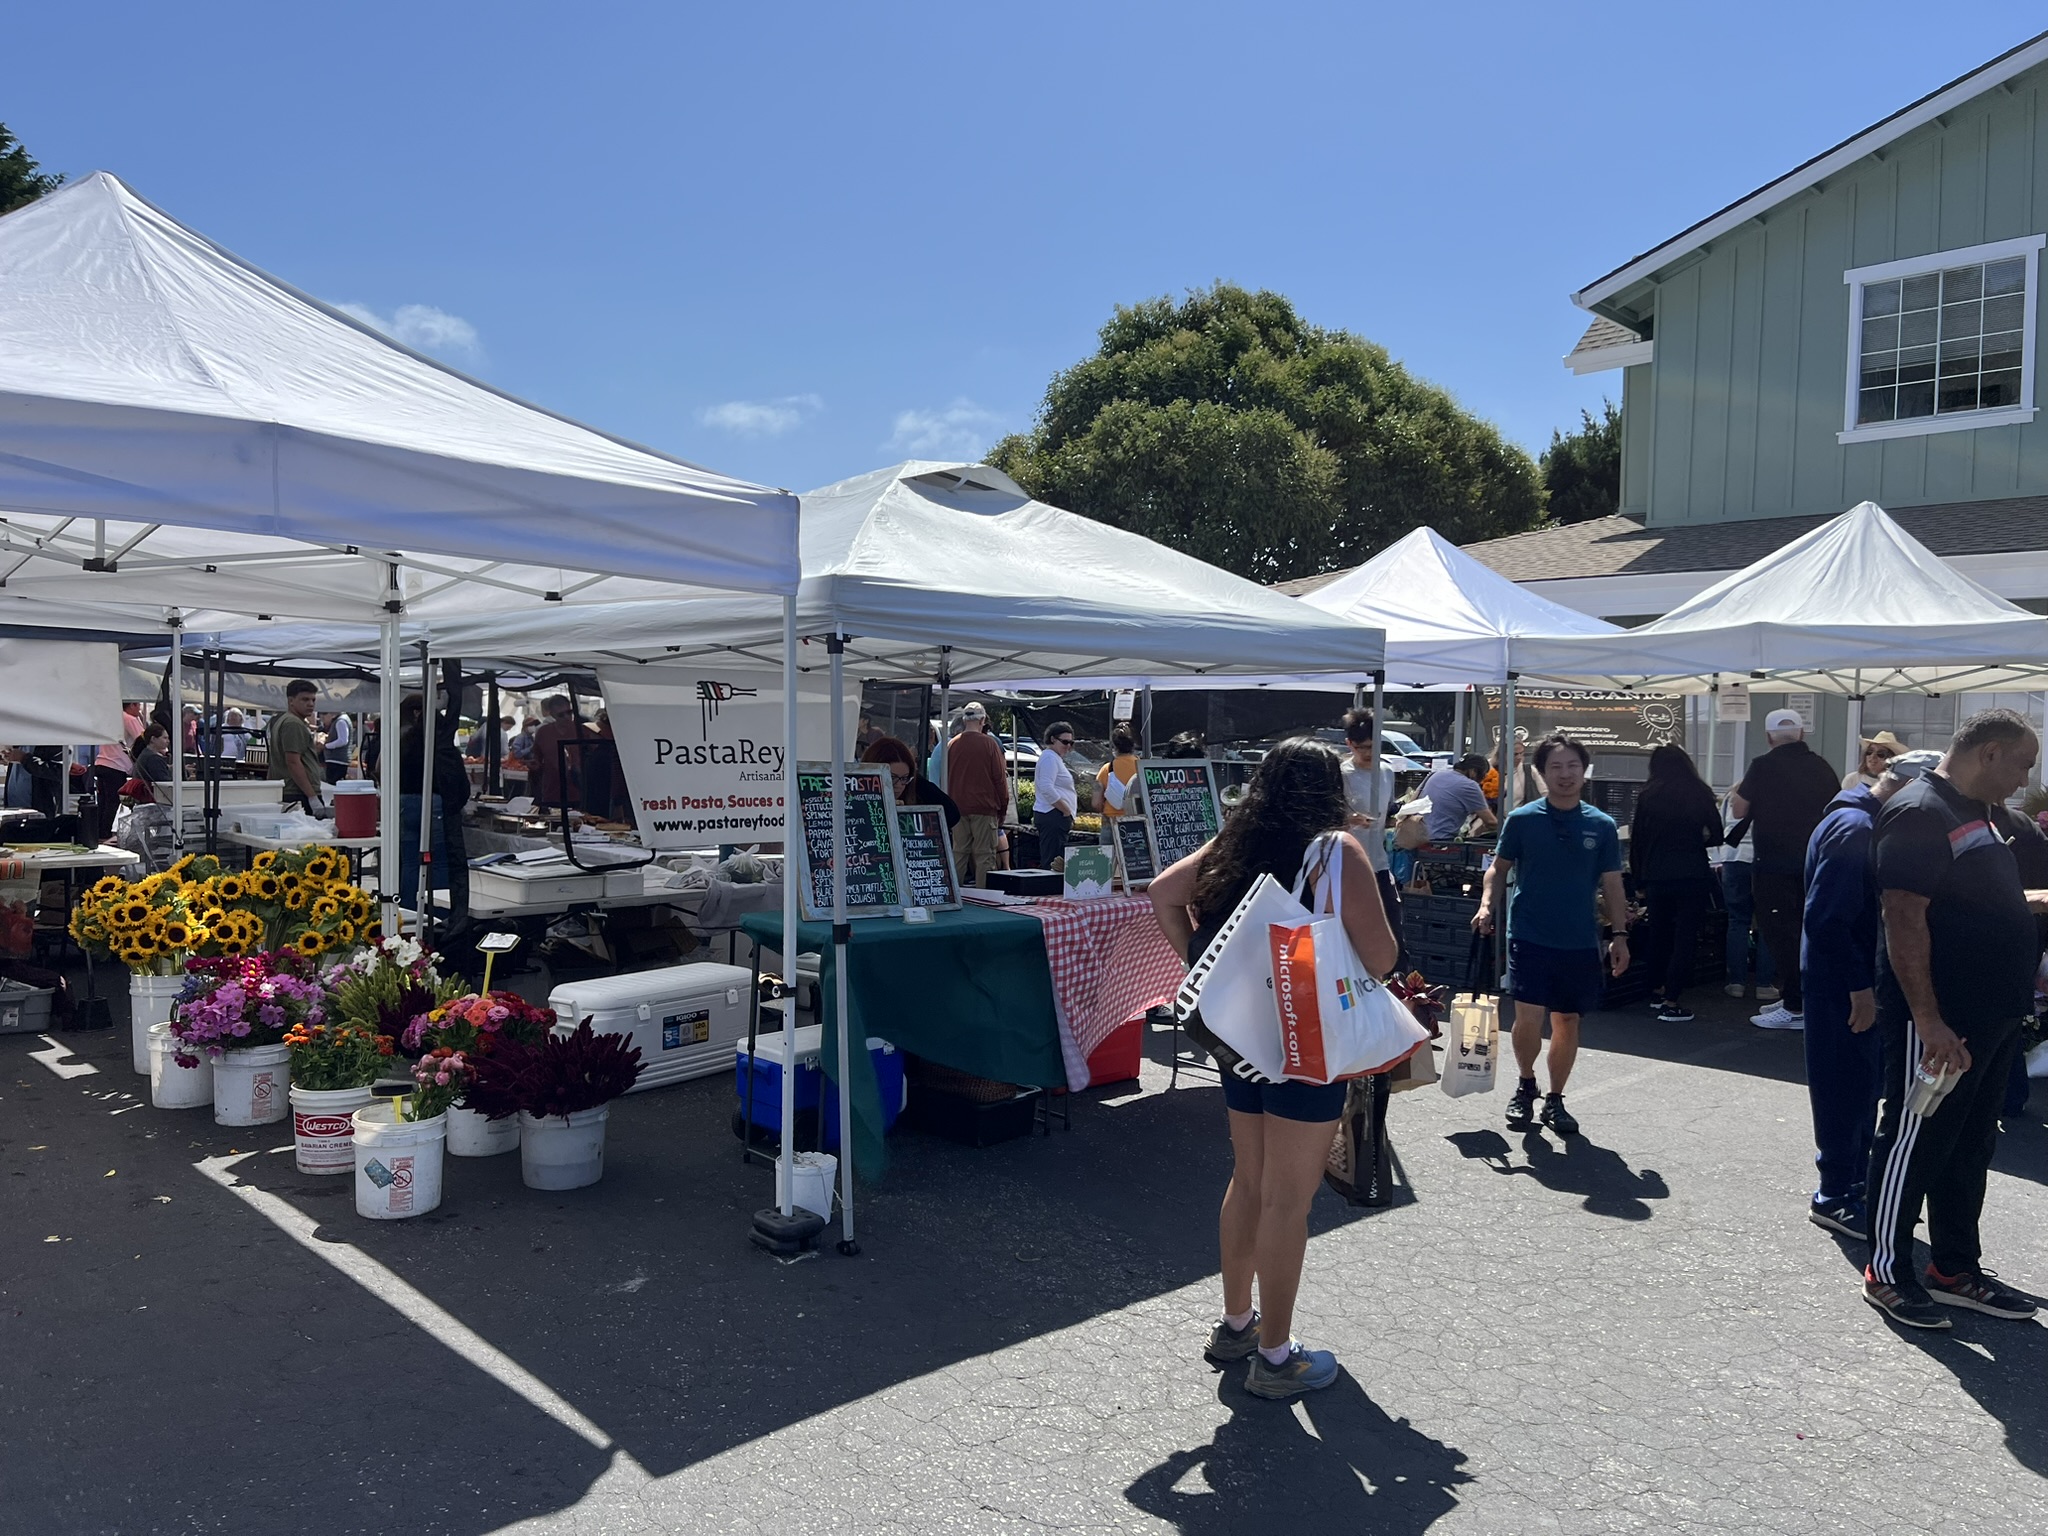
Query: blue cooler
{"points": [[765, 1069]]}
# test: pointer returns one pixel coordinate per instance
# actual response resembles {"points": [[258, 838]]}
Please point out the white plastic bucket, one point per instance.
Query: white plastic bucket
{"points": [[812, 1190], [562, 1151], [471, 1135], [170, 1085], [398, 1163], [149, 1002], [250, 1085], [323, 1134]]}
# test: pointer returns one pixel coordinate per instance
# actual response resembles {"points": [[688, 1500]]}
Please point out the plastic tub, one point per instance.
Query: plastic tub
{"points": [[150, 999], [562, 1151], [250, 1085], [355, 808], [471, 1135], [398, 1163], [170, 1085], [323, 1134], [812, 1191]]}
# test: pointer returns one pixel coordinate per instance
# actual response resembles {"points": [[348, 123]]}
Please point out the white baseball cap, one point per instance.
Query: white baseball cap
{"points": [[1783, 720], [974, 712]]}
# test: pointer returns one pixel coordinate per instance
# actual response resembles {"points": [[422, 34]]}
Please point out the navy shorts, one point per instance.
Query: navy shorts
{"points": [[1312, 1102], [1558, 980]]}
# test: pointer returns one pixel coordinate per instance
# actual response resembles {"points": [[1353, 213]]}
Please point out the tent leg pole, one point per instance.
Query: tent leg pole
{"points": [[1148, 722], [425, 888], [1852, 752], [1713, 726], [1458, 726], [177, 732], [1508, 775], [792, 829], [841, 934], [945, 706], [388, 787]]}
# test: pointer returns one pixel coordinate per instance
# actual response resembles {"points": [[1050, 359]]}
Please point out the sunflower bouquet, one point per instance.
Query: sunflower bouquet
{"points": [[306, 900], [154, 925]]}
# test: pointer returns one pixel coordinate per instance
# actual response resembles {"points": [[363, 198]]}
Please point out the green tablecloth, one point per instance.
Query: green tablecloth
{"points": [[970, 989]]}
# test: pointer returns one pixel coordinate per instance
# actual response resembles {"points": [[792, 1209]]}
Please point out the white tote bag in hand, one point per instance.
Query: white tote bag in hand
{"points": [[1472, 1035], [1336, 1019]]}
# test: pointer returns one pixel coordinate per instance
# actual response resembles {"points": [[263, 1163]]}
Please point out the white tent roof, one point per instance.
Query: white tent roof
{"points": [[151, 382], [924, 556], [1857, 606]]}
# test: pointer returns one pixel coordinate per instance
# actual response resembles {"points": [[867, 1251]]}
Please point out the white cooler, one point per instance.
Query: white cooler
{"points": [[554, 882], [684, 1018]]}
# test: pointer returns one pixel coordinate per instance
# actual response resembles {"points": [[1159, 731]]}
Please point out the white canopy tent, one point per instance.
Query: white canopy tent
{"points": [[1857, 606], [184, 437], [82, 701]]}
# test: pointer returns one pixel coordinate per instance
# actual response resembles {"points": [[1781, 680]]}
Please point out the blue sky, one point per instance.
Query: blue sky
{"points": [[797, 242]]}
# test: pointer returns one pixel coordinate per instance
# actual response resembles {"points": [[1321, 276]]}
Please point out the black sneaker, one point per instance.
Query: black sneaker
{"points": [[1522, 1108], [1674, 1013], [1980, 1292], [1906, 1305], [1844, 1216], [1557, 1118]]}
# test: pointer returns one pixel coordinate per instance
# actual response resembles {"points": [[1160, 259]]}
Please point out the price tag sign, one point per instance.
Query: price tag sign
{"points": [[873, 854]]}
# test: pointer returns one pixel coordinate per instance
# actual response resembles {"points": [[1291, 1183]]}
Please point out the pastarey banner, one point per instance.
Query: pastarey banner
{"points": [[702, 748]]}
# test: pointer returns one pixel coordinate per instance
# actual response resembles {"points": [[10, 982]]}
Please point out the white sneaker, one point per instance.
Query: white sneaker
{"points": [[1734, 989], [1768, 994], [1779, 1018]]}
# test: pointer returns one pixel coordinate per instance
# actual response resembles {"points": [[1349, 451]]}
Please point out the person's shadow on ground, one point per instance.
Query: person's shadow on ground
{"points": [[2001, 1363], [1352, 1468], [1580, 1167]]}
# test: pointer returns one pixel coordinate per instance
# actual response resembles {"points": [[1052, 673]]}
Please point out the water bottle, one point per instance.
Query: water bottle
{"points": [[1929, 1089]]}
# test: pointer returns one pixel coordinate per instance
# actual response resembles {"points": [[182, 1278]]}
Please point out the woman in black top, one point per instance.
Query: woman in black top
{"points": [[1676, 820], [151, 755], [910, 786]]}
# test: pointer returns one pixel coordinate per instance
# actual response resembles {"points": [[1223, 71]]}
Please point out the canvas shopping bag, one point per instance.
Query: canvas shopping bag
{"points": [[1472, 1032], [1336, 1019], [1360, 1164], [1226, 1000]]}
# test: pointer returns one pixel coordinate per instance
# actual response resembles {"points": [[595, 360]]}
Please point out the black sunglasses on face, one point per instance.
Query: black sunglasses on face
{"points": [[1063, 741]]}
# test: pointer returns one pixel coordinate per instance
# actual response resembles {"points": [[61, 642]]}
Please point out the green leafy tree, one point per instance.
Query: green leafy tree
{"points": [[1582, 473], [1226, 426], [21, 179]]}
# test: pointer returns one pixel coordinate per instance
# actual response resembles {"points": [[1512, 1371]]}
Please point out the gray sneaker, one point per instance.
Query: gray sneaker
{"points": [[1304, 1370], [1227, 1343]]}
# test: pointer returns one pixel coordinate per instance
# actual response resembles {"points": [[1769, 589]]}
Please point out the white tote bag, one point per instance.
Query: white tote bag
{"points": [[1336, 1019], [1472, 1035], [1228, 991]]}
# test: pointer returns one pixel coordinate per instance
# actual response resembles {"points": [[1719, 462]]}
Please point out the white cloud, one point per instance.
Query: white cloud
{"points": [[421, 327], [962, 430], [761, 418]]}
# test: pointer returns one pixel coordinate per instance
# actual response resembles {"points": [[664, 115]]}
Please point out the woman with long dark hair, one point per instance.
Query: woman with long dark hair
{"points": [[1676, 821], [1280, 1133]]}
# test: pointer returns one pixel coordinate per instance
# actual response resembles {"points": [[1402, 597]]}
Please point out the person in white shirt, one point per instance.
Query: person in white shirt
{"points": [[1054, 802], [334, 752], [1368, 797]]}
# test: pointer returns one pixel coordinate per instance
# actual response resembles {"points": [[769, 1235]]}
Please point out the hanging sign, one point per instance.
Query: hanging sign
{"points": [[875, 882], [1181, 804], [1134, 851], [702, 749], [1802, 705], [1124, 705], [1732, 704], [928, 868]]}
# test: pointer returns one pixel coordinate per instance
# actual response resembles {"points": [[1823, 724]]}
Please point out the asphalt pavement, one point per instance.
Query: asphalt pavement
{"points": [[1634, 1330]]}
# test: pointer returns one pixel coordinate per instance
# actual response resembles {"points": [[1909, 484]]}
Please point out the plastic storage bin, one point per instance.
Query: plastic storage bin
{"points": [[682, 1017], [765, 1069], [24, 1009]]}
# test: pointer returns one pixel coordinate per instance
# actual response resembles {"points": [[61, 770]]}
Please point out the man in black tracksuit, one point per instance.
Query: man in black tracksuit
{"points": [[1957, 951]]}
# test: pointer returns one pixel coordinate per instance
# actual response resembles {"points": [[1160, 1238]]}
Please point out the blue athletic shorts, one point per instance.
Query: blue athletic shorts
{"points": [[1312, 1102], [1560, 980]]}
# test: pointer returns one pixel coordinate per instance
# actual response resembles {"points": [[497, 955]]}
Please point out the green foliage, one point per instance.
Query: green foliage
{"points": [[1582, 472], [1228, 427], [21, 179]]}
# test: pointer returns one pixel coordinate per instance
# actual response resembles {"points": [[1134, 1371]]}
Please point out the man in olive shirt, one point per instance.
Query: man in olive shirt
{"points": [[294, 754]]}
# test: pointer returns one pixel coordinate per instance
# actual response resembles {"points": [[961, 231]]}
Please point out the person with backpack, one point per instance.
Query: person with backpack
{"points": [[1289, 824]]}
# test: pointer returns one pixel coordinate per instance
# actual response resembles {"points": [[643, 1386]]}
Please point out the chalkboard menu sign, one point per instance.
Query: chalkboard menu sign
{"points": [[1134, 850], [927, 857], [1181, 805], [874, 861]]}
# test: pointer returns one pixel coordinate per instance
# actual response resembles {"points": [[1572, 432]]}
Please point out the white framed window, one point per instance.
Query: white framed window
{"points": [[1944, 342]]}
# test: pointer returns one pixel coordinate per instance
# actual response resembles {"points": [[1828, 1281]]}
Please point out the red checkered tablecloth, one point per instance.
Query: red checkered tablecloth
{"points": [[1109, 964]]}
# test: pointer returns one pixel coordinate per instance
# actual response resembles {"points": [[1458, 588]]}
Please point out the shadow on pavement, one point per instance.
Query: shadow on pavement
{"points": [[1579, 1166], [1352, 1468], [1721, 1039], [2001, 1363]]}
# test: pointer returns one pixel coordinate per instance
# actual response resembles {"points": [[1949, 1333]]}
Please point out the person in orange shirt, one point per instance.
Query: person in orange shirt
{"points": [[1122, 768]]}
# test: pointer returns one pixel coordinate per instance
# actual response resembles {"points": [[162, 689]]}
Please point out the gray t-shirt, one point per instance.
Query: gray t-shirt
{"points": [[1369, 794], [1453, 799]]}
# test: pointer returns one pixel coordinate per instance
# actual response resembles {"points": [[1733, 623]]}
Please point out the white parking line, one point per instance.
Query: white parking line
{"points": [[408, 1303], [53, 1058]]}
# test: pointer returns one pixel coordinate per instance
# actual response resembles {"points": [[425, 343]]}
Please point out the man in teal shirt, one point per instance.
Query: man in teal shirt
{"points": [[1562, 852]]}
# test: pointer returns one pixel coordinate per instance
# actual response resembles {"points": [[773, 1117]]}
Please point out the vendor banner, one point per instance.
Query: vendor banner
{"points": [[1606, 721], [702, 749]]}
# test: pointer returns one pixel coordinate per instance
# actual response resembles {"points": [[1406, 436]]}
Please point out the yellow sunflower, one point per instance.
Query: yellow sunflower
{"points": [[107, 887], [131, 914], [296, 899], [263, 860], [342, 869], [265, 886], [344, 933], [320, 866], [310, 943], [231, 887], [325, 907], [374, 933], [176, 933]]}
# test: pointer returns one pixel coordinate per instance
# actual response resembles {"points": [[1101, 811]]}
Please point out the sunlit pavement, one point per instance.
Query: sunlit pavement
{"points": [[1635, 1330]]}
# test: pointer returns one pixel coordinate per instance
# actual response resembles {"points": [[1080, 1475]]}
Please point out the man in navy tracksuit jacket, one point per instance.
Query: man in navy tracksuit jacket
{"points": [[1838, 962]]}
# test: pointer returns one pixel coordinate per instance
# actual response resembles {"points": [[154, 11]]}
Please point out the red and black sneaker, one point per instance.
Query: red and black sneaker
{"points": [[1980, 1292], [1906, 1305]]}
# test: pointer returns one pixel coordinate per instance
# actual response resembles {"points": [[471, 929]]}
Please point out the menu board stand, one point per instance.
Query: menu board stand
{"points": [[875, 881], [1180, 806], [1134, 861], [930, 876]]}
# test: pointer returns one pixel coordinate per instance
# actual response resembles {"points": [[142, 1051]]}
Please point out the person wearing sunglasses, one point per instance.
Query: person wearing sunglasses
{"points": [[1054, 802], [909, 786], [1563, 853]]}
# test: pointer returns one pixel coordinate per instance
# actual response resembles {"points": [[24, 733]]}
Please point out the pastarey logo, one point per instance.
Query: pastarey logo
{"points": [[711, 695]]}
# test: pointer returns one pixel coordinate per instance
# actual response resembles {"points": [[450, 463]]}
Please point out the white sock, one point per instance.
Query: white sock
{"points": [[1277, 1356], [1237, 1322]]}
